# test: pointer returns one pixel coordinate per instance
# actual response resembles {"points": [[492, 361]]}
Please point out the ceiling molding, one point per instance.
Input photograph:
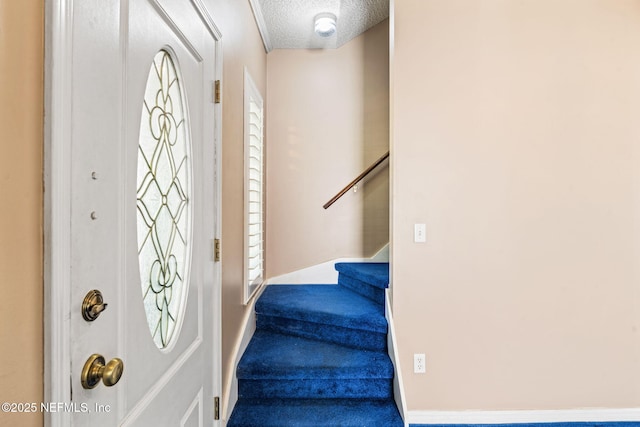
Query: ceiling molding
{"points": [[262, 25]]}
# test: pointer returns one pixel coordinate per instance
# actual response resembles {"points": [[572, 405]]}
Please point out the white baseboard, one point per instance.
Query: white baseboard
{"points": [[392, 348], [230, 392], [382, 255], [321, 274], [325, 273], [520, 417]]}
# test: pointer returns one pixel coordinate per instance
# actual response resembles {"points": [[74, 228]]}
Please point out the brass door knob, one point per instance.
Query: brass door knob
{"points": [[92, 305], [95, 370]]}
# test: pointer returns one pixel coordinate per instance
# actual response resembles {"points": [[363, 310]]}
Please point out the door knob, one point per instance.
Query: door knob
{"points": [[92, 305], [95, 370]]}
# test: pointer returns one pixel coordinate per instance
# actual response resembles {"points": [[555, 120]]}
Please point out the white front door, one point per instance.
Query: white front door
{"points": [[143, 213]]}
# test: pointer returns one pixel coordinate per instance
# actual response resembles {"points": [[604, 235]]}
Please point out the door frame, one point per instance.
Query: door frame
{"points": [[57, 202]]}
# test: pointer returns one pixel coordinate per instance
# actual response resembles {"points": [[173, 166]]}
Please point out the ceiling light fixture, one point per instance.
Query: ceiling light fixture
{"points": [[325, 24]]}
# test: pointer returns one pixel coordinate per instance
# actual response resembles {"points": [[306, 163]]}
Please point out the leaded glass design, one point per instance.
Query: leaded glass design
{"points": [[163, 190]]}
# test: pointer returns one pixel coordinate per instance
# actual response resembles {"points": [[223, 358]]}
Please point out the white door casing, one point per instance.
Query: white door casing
{"points": [[99, 55]]}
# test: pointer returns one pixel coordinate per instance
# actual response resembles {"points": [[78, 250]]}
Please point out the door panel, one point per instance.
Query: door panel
{"points": [[114, 45]]}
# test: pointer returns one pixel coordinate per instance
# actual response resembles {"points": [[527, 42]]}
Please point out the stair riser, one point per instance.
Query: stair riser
{"points": [[373, 293], [353, 338], [316, 389], [376, 273], [315, 413]]}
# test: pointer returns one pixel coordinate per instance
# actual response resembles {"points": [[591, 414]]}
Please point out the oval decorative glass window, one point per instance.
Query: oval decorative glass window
{"points": [[163, 190]]}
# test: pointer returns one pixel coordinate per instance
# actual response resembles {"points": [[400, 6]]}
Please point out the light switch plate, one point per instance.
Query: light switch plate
{"points": [[419, 233]]}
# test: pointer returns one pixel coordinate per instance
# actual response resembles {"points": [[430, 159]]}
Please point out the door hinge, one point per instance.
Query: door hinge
{"points": [[217, 92], [216, 408], [217, 251]]}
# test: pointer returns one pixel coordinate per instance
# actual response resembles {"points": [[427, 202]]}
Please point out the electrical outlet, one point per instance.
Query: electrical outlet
{"points": [[419, 363]]}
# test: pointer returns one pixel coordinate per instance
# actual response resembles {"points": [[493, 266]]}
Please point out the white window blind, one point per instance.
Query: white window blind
{"points": [[254, 187]]}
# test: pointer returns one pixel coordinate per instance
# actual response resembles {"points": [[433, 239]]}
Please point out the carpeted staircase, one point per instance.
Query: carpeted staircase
{"points": [[319, 355]]}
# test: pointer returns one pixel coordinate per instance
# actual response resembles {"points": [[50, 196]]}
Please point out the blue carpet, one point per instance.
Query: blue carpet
{"points": [[316, 413], [367, 279], [324, 304], [562, 424], [323, 312], [319, 355], [374, 273], [272, 355]]}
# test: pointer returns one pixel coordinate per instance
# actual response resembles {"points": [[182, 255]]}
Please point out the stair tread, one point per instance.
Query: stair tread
{"points": [[271, 355], [315, 412], [374, 273], [325, 304]]}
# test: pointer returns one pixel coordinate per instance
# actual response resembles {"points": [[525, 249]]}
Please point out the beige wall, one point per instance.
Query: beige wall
{"points": [[21, 107], [327, 121], [516, 140], [242, 47]]}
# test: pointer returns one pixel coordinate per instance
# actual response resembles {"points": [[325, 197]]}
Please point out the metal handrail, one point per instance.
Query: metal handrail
{"points": [[357, 180]]}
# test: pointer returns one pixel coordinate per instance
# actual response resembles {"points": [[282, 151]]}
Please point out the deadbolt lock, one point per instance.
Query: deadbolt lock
{"points": [[92, 305], [95, 370]]}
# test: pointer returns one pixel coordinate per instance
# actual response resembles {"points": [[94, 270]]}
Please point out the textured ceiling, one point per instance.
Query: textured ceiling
{"points": [[288, 24]]}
